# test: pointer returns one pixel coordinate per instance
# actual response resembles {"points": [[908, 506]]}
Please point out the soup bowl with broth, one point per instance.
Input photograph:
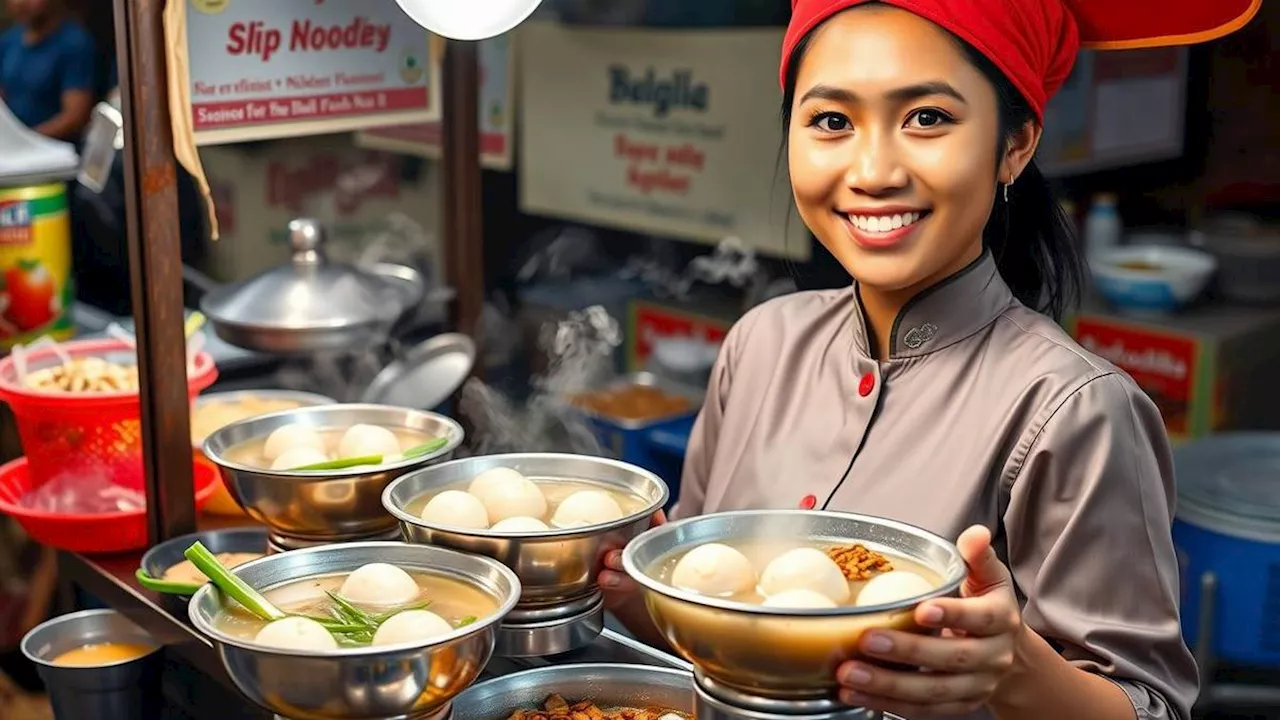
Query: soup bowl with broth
{"points": [[770, 602], [549, 517], [400, 677], [326, 504]]}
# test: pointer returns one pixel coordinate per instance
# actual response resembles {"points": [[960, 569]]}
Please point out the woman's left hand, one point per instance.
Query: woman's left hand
{"points": [[964, 667]]}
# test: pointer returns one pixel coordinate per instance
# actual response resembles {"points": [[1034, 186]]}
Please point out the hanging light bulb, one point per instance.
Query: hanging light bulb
{"points": [[468, 19]]}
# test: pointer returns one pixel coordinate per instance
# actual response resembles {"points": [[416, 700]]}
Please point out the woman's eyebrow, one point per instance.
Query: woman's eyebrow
{"points": [[902, 94], [829, 92], [924, 89]]}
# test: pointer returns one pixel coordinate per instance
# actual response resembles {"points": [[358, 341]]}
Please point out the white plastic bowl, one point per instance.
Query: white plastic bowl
{"points": [[1167, 278]]}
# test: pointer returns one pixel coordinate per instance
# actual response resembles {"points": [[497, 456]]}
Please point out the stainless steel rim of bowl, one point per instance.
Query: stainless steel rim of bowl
{"points": [[309, 399], [949, 585], [395, 509], [38, 630], [480, 625], [507, 693], [238, 537], [456, 436]]}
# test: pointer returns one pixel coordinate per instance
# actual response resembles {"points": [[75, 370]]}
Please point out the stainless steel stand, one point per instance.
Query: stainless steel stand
{"points": [[538, 632], [444, 713], [610, 647], [715, 701], [1215, 694], [277, 543]]}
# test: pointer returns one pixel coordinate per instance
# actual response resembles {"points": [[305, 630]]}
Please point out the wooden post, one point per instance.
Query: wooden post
{"points": [[463, 221], [155, 259]]}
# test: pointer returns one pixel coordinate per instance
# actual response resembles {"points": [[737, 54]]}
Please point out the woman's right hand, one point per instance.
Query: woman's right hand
{"points": [[618, 587]]}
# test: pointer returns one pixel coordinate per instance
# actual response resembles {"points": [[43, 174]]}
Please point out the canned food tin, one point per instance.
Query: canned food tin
{"points": [[36, 291]]}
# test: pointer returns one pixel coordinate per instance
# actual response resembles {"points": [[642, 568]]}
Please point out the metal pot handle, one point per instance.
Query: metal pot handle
{"points": [[203, 284], [306, 237]]}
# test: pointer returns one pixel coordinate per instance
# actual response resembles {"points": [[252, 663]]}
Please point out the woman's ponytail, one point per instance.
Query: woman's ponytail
{"points": [[1028, 234]]}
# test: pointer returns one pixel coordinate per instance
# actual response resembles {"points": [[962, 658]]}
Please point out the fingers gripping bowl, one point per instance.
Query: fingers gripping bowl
{"points": [[296, 676], [781, 629]]}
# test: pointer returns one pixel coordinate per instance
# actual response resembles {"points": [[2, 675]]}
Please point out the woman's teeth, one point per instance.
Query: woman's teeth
{"points": [[883, 223]]}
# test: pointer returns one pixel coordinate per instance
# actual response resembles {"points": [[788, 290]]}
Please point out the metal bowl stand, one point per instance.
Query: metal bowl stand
{"points": [[551, 630], [444, 713], [716, 701], [278, 543], [1213, 694]]}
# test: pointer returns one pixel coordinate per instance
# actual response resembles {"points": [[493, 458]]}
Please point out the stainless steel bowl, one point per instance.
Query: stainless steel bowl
{"points": [[554, 566], [414, 680], [779, 652], [608, 685], [304, 399], [330, 505], [125, 689], [157, 561]]}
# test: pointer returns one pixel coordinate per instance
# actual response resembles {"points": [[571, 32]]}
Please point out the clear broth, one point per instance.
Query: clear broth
{"points": [[451, 599], [186, 572], [207, 418], [761, 552], [555, 490], [249, 452]]}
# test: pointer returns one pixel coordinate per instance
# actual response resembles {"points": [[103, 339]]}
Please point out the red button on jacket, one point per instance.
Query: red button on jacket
{"points": [[867, 384]]}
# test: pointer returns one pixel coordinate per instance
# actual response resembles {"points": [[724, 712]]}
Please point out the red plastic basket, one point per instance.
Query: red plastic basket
{"points": [[77, 434], [88, 533]]}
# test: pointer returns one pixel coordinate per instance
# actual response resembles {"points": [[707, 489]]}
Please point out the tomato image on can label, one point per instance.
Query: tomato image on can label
{"points": [[30, 298], [36, 291]]}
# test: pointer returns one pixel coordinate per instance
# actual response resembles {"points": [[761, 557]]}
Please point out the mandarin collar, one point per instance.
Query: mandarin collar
{"points": [[943, 314]]}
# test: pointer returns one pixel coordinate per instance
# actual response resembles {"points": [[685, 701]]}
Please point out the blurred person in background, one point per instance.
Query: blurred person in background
{"points": [[47, 64]]}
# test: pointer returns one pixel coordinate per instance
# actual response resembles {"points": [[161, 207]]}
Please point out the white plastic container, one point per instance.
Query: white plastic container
{"points": [[1103, 228]]}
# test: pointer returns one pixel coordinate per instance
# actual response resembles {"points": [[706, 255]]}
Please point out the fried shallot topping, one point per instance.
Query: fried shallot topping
{"points": [[857, 562]]}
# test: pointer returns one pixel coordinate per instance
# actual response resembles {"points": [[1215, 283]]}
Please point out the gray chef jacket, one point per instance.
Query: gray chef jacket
{"points": [[985, 412]]}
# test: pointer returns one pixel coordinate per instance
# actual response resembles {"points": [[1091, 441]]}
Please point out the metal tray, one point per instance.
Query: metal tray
{"points": [[646, 379], [607, 685]]}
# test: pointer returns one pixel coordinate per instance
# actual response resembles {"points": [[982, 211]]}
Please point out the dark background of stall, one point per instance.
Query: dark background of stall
{"points": [[1231, 159]]}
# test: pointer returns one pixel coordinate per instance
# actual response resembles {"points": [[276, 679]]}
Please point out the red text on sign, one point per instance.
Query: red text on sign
{"points": [[652, 168], [255, 38]]}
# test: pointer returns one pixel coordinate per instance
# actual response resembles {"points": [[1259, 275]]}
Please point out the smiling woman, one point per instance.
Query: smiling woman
{"points": [[936, 389], [896, 153]]}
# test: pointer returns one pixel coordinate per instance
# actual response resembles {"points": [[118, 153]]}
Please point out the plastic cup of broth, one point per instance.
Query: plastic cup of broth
{"points": [[97, 665]]}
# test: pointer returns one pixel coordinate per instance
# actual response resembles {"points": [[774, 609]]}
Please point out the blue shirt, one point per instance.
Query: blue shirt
{"points": [[34, 77]]}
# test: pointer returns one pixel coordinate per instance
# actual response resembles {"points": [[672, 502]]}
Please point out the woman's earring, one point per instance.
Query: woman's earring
{"points": [[1006, 193]]}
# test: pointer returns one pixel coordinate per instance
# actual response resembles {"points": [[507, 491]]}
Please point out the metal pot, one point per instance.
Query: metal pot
{"points": [[312, 305]]}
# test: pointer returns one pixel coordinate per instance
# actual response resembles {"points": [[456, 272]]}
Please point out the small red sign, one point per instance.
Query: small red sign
{"points": [[1163, 364], [654, 322]]}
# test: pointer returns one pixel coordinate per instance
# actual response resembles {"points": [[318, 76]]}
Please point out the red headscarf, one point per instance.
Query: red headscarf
{"points": [[1034, 42]]}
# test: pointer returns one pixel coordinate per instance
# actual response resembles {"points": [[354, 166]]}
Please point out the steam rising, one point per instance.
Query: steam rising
{"points": [[580, 350]]}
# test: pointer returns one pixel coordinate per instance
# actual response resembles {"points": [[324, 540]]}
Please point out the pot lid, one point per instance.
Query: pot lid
{"points": [[311, 293], [1232, 475], [427, 375]]}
